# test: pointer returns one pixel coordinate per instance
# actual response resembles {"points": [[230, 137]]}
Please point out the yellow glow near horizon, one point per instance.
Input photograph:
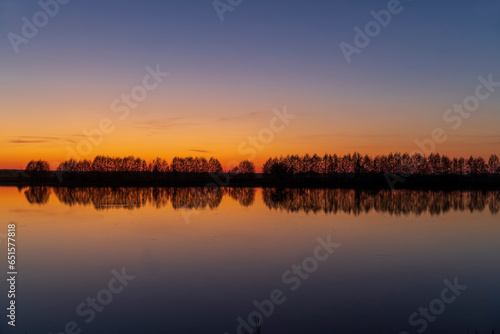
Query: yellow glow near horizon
{"points": [[185, 127]]}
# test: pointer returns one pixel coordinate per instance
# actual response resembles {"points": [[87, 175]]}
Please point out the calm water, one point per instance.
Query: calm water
{"points": [[201, 258]]}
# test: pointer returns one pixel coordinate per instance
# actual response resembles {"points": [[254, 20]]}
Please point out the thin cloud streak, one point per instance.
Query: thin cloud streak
{"points": [[37, 140], [199, 151]]}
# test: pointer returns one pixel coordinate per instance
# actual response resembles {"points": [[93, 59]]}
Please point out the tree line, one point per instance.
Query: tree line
{"points": [[397, 163], [191, 165], [434, 164]]}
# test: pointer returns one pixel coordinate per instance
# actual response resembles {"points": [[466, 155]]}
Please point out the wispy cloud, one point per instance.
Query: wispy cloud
{"points": [[36, 140], [16, 141], [199, 151]]}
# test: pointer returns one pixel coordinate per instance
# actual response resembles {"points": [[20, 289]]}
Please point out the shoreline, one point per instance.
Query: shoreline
{"points": [[227, 180]]}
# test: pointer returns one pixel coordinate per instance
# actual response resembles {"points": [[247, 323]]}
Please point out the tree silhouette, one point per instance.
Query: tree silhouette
{"points": [[494, 164], [159, 165], [245, 167], [214, 166], [396, 163], [305, 165], [37, 169]]}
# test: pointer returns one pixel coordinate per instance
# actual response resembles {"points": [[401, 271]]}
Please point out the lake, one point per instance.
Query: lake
{"points": [[188, 260]]}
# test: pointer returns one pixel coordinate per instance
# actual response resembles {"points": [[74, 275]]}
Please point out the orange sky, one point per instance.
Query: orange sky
{"points": [[225, 78], [186, 127]]}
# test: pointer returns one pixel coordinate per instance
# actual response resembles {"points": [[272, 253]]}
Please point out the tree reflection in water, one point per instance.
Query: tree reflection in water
{"points": [[37, 195], [132, 198], [244, 196], [396, 202], [196, 198], [329, 201]]}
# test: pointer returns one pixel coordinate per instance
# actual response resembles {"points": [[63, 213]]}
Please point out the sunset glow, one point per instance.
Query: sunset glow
{"points": [[225, 80]]}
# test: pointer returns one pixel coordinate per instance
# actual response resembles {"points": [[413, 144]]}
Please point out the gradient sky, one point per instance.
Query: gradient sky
{"points": [[226, 77]]}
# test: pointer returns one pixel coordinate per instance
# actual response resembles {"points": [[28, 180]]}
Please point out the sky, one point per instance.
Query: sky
{"points": [[228, 80]]}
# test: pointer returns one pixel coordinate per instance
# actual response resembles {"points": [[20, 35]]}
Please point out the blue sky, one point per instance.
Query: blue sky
{"points": [[264, 54]]}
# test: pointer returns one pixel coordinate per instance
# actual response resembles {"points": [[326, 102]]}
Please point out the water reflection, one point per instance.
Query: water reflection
{"points": [[212, 269], [37, 195], [134, 198], [195, 198], [393, 202], [329, 201], [244, 196]]}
